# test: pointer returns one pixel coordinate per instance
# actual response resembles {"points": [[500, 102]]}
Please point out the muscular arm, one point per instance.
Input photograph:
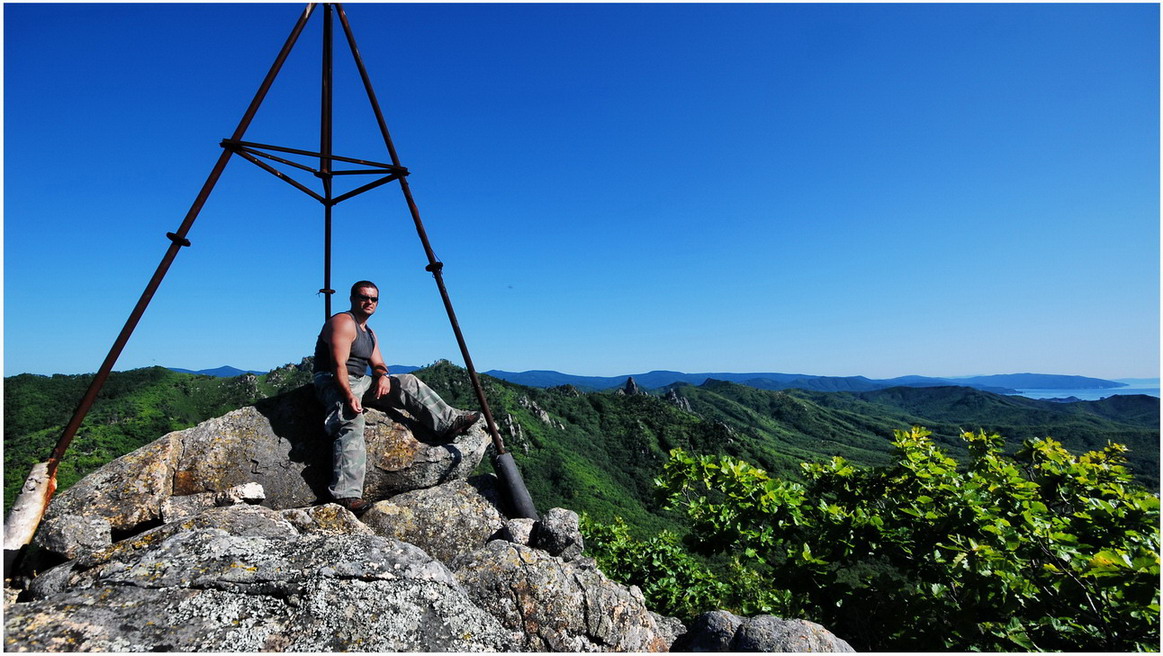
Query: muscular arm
{"points": [[339, 333]]}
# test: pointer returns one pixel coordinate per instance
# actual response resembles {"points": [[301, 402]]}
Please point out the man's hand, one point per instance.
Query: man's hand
{"points": [[353, 403], [383, 386]]}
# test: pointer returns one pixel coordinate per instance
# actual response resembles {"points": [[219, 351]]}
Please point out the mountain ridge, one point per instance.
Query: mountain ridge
{"points": [[663, 378], [658, 379], [596, 452]]}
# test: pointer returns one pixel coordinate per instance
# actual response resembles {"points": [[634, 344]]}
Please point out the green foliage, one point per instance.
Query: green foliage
{"points": [[1044, 550], [672, 581]]}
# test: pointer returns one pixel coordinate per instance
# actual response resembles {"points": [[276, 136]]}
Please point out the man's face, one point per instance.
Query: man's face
{"points": [[366, 299]]}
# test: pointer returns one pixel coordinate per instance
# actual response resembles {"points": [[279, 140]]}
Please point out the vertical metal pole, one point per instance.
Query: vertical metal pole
{"points": [[177, 241], [325, 157]]}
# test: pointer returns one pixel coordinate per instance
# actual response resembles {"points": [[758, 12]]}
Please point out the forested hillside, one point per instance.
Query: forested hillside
{"points": [[596, 452]]}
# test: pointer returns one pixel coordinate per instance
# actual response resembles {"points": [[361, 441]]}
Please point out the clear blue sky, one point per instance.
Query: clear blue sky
{"points": [[828, 189]]}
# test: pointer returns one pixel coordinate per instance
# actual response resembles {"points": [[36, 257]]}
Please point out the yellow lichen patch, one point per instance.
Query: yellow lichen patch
{"points": [[395, 449], [185, 483]]}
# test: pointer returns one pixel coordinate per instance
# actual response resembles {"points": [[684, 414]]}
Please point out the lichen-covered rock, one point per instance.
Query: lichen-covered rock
{"points": [[246, 493], [772, 634], [446, 521], [251, 521], [712, 631], [519, 530], [720, 630], [72, 535], [558, 533], [328, 519], [669, 628], [557, 606], [278, 444], [205, 589]]}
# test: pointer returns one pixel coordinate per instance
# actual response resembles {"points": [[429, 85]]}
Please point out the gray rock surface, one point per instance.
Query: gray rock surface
{"points": [[558, 533], [557, 606], [670, 629], [206, 589], [712, 631], [73, 535], [446, 521], [278, 444], [770, 633], [517, 530], [720, 630], [328, 519]]}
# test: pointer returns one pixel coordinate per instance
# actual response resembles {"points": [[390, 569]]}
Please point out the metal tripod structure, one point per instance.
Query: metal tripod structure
{"points": [[43, 477]]}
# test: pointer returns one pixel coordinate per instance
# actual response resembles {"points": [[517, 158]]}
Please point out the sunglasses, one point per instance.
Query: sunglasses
{"points": [[365, 297]]}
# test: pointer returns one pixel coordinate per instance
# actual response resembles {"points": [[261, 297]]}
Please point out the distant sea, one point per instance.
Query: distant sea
{"points": [[1148, 386]]}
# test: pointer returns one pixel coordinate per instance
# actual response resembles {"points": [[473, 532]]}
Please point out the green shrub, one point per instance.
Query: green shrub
{"points": [[1041, 551]]}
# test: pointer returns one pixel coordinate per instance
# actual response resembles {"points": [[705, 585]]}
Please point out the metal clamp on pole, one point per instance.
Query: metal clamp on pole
{"points": [[180, 241]]}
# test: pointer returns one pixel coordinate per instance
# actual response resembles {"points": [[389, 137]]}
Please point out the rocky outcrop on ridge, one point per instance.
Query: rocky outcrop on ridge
{"points": [[682, 402], [630, 388], [215, 539]]}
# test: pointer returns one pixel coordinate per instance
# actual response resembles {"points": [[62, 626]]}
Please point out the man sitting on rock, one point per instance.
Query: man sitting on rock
{"points": [[345, 348]]}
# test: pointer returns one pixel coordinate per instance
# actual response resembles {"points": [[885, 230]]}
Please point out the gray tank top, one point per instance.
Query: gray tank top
{"points": [[357, 362]]}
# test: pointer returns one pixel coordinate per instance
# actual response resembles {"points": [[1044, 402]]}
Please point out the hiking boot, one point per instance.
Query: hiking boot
{"points": [[354, 504], [460, 425]]}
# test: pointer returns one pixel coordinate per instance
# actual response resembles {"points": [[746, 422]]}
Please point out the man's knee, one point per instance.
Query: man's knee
{"points": [[406, 380]]}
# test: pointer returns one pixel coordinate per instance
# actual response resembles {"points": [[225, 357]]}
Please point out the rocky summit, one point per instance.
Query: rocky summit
{"points": [[219, 538]]}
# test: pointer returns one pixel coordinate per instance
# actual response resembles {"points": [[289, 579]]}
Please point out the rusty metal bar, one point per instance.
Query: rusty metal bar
{"points": [[280, 160], [282, 176], [325, 153], [177, 241], [377, 170], [367, 187], [308, 153], [361, 172]]}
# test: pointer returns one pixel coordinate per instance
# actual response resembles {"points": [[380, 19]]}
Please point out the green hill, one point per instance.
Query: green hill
{"points": [[594, 452]]}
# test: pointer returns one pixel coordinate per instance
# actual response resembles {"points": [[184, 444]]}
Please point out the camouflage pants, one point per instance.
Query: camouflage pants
{"points": [[349, 449]]}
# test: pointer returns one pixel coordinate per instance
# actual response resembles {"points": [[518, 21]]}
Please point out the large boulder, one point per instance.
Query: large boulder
{"points": [[770, 633], [257, 585], [557, 605], [558, 532], [719, 630], [277, 443], [446, 521]]}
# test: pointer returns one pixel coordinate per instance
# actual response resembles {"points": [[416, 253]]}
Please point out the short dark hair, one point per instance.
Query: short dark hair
{"points": [[363, 283]]}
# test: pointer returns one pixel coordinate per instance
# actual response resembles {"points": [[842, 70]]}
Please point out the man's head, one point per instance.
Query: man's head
{"points": [[364, 297]]}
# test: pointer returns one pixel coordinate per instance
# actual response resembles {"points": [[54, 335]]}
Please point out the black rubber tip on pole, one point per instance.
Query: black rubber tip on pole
{"points": [[519, 502]]}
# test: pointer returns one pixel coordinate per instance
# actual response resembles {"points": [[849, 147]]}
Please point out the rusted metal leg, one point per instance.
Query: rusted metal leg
{"points": [[519, 496], [178, 240]]}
